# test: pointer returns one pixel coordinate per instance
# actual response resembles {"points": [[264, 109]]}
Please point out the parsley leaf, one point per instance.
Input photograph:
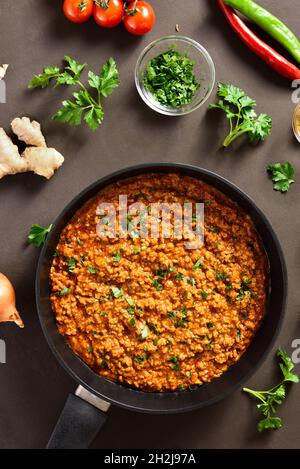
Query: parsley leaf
{"points": [[117, 257], [74, 67], [286, 367], [108, 79], [239, 109], [43, 79], [140, 359], [269, 422], [64, 291], [92, 270], [117, 292], [72, 263], [144, 331], [84, 105], [199, 264], [282, 175], [71, 112], [38, 234], [268, 400]]}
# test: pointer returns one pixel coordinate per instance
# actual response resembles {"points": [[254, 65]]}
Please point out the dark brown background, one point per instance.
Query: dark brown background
{"points": [[33, 387]]}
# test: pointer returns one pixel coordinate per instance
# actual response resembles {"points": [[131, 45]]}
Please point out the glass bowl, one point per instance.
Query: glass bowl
{"points": [[204, 71]]}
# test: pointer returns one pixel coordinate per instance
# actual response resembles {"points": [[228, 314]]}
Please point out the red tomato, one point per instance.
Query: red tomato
{"points": [[140, 18], [78, 11], [109, 13]]}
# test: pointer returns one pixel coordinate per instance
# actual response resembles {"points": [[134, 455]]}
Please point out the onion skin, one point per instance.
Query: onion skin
{"points": [[8, 311]]}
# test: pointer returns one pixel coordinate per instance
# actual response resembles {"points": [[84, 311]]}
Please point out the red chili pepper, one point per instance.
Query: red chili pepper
{"points": [[259, 47]]}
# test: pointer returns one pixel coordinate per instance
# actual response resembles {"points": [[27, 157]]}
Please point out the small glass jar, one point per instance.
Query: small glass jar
{"points": [[296, 122]]}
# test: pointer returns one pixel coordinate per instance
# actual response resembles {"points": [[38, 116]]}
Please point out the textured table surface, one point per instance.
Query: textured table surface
{"points": [[33, 386]]}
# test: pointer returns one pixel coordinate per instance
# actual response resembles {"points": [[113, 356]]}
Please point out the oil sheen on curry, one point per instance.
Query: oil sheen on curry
{"points": [[149, 312]]}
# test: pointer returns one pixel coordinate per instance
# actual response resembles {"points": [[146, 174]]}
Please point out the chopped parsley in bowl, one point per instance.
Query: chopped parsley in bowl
{"points": [[170, 78], [174, 75]]}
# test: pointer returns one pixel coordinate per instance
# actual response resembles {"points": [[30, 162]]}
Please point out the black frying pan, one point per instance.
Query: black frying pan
{"points": [[80, 421]]}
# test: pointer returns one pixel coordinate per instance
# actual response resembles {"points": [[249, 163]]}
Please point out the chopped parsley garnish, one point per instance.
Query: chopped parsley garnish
{"points": [[164, 271], [129, 300], [282, 175], [79, 242], [92, 270], [179, 276], [140, 359], [117, 292], [213, 229], [178, 318], [104, 363], [64, 291], [204, 294], [144, 331], [169, 77], [173, 359], [245, 289], [71, 265], [117, 257], [157, 285], [199, 264], [191, 281], [181, 387], [132, 321], [220, 275], [153, 328]]}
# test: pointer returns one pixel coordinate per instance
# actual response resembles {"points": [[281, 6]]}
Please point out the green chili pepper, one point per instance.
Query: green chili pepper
{"points": [[269, 23]]}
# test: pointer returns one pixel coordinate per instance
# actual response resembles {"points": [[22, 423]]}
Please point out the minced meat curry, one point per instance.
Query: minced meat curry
{"points": [[150, 313]]}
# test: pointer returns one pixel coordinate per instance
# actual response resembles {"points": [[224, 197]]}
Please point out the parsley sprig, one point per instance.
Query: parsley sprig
{"points": [[38, 234], [239, 109], [282, 175], [271, 398], [84, 105]]}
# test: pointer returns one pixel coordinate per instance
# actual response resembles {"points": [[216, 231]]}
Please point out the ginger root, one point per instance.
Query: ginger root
{"points": [[42, 161], [29, 132], [10, 160], [3, 69], [39, 158]]}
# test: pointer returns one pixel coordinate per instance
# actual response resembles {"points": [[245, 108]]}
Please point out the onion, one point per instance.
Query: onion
{"points": [[8, 311]]}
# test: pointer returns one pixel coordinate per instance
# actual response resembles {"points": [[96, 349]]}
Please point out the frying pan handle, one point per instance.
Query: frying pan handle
{"points": [[78, 425]]}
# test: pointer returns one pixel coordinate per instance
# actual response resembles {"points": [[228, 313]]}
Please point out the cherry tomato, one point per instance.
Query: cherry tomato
{"points": [[108, 13], [78, 11], [140, 18]]}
